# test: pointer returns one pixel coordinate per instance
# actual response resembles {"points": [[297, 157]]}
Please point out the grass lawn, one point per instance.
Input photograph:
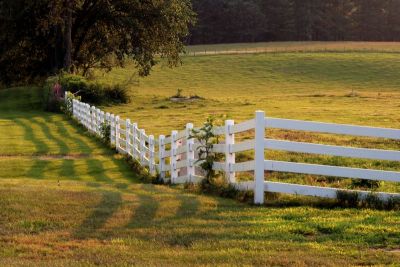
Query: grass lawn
{"points": [[66, 200], [356, 88], [313, 86]]}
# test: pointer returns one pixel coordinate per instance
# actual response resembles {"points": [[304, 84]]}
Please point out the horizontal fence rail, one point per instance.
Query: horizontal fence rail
{"points": [[175, 159]]}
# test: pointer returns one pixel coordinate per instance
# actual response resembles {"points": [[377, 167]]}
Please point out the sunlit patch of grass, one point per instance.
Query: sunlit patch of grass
{"points": [[147, 224]]}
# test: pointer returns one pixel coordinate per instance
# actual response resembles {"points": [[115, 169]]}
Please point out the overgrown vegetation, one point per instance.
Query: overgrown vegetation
{"points": [[94, 92], [371, 201], [105, 132]]}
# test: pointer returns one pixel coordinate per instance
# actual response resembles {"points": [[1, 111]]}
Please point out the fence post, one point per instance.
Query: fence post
{"points": [[174, 146], [229, 157], [161, 150], [127, 135], [87, 115], [134, 140], [78, 110], [117, 126], [84, 114], [259, 157], [112, 129], [98, 122], [189, 153], [151, 155], [142, 146], [93, 118]]}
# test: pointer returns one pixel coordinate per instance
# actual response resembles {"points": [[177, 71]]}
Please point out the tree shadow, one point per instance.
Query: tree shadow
{"points": [[41, 147], [97, 171], [62, 146], [37, 169], [110, 202], [68, 169], [189, 206], [146, 211]]}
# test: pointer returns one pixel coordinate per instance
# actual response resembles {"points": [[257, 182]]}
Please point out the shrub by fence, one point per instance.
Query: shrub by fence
{"points": [[174, 157]]}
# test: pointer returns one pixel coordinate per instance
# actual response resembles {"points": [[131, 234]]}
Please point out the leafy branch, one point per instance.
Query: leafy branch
{"points": [[206, 139]]}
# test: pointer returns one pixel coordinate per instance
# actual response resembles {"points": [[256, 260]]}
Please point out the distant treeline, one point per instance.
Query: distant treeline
{"points": [[226, 21]]}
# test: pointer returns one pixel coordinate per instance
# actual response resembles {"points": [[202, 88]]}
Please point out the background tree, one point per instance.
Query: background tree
{"points": [[40, 37], [223, 21]]}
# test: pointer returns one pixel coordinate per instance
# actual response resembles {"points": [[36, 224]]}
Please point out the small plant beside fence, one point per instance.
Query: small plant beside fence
{"points": [[174, 157]]}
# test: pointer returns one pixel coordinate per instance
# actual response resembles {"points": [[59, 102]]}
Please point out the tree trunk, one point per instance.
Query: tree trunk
{"points": [[68, 37]]}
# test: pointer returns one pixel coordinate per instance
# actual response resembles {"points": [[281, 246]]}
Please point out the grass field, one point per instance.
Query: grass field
{"points": [[294, 47], [66, 200], [313, 86], [356, 88]]}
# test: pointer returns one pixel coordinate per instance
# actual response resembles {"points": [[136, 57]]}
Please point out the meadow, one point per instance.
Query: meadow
{"points": [[354, 88], [67, 200]]}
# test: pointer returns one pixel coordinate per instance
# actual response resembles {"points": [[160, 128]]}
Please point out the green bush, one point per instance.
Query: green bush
{"points": [[94, 92], [51, 102], [348, 198], [366, 184], [105, 132]]}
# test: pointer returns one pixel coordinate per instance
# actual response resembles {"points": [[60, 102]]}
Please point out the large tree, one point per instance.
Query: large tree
{"points": [[40, 37]]}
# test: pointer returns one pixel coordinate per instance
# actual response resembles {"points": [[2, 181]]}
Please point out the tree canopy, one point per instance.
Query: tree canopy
{"points": [[224, 21], [40, 37]]}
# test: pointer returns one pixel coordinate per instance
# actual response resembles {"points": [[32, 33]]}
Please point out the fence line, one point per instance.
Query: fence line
{"points": [[174, 157], [276, 50]]}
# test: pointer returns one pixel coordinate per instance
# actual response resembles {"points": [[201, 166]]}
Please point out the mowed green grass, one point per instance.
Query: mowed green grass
{"points": [[311, 86], [355, 88], [68, 201]]}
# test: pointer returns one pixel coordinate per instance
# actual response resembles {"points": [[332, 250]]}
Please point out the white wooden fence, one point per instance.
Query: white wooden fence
{"points": [[173, 157]]}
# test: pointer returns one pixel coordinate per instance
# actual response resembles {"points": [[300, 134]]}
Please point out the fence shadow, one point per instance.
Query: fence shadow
{"points": [[61, 145], [108, 205]]}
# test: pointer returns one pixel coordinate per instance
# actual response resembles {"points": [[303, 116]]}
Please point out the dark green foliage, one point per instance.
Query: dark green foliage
{"points": [[348, 198], [370, 201], [227, 21], [94, 92], [393, 203], [41, 37], [105, 132], [116, 93], [206, 139], [364, 183], [67, 104]]}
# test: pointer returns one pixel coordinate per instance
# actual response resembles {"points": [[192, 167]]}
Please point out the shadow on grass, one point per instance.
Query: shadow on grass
{"points": [[61, 145], [37, 169], [97, 171], [147, 209], [41, 147], [110, 202], [68, 169]]}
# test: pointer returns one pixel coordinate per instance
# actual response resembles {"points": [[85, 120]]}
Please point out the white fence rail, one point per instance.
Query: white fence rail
{"points": [[174, 157]]}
